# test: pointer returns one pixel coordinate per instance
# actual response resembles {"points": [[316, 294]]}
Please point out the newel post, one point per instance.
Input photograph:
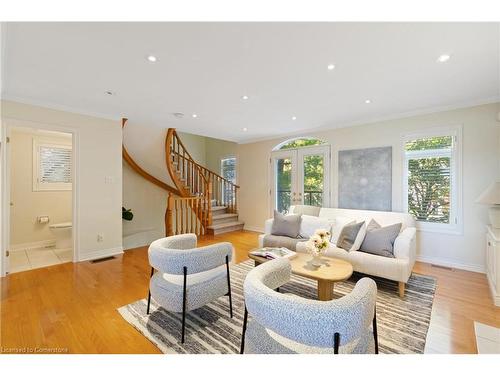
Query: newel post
{"points": [[169, 230]]}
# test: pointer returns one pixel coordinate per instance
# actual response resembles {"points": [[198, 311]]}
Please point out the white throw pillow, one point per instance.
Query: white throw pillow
{"points": [[359, 238], [340, 222], [310, 224]]}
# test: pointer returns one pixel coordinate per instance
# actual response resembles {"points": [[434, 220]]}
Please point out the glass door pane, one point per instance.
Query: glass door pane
{"points": [[314, 177], [313, 180], [284, 181]]}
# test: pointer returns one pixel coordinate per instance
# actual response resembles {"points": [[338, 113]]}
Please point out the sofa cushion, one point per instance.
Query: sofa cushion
{"points": [[348, 236], [281, 241], [380, 240], [375, 265], [286, 225], [310, 224]]}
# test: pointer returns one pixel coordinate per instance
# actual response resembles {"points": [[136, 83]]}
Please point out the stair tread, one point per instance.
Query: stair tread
{"points": [[223, 216], [225, 225], [216, 208]]}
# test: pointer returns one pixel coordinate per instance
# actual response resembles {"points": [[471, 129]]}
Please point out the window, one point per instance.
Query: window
{"points": [[51, 166], [431, 180], [299, 142], [228, 169]]}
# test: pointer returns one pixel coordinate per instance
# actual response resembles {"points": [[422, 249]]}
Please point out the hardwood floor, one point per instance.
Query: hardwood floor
{"points": [[71, 307]]}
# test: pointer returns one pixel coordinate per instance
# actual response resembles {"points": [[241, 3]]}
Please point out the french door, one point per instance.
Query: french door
{"points": [[300, 176]]}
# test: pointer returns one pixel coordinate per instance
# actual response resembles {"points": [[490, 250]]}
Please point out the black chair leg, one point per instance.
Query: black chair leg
{"points": [[184, 305], [149, 291], [229, 288], [245, 318], [375, 334], [336, 343]]}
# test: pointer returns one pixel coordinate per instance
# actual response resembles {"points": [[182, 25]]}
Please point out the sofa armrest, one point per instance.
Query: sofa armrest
{"points": [[268, 226], [405, 246]]}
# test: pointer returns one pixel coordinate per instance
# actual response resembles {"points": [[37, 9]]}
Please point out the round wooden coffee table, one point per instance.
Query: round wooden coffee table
{"points": [[331, 271]]}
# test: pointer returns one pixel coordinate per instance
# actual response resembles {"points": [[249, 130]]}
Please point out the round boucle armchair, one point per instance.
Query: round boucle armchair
{"points": [[188, 277], [286, 323]]}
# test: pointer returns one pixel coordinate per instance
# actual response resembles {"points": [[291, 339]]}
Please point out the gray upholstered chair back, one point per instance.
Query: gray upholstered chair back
{"points": [[172, 254], [309, 322]]}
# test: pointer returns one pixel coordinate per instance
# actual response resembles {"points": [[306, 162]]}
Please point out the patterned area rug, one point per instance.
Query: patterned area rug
{"points": [[402, 323]]}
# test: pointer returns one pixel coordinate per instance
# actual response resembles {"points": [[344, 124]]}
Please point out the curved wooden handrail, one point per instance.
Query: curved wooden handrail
{"points": [[193, 179], [126, 156], [208, 171]]}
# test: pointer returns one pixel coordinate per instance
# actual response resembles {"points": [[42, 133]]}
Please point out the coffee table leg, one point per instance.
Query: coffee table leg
{"points": [[325, 290]]}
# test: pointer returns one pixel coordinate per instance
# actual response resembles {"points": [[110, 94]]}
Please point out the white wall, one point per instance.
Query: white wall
{"points": [[27, 204], [99, 167], [480, 167], [216, 150]]}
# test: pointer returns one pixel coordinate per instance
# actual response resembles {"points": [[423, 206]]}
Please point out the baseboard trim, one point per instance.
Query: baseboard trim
{"points": [[449, 263], [32, 245], [494, 295], [253, 229], [100, 254]]}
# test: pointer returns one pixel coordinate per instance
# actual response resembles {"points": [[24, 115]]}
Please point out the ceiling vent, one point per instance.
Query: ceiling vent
{"points": [[178, 114]]}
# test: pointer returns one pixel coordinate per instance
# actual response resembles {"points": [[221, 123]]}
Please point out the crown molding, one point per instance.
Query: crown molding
{"points": [[59, 107]]}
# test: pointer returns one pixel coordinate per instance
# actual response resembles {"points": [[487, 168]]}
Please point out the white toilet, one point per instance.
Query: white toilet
{"points": [[62, 232]]}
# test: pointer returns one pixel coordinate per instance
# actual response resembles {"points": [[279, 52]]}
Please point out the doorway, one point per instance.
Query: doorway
{"points": [[39, 197], [300, 175]]}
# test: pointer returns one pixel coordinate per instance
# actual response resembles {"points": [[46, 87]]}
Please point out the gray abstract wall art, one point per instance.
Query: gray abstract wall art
{"points": [[365, 179]]}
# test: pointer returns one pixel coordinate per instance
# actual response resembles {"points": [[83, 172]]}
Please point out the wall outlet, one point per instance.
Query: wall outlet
{"points": [[100, 238]]}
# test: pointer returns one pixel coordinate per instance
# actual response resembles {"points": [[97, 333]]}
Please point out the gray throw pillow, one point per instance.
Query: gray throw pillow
{"points": [[380, 240], [348, 235], [286, 225]]}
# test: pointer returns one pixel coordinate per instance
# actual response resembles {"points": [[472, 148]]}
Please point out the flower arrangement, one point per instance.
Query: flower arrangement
{"points": [[318, 242]]}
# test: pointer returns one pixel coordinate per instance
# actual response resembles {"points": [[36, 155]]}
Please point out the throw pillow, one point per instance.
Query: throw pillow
{"points": [[310, 224], [286, 225], [348, 236], [339, 223], [359, 238], [380, 240]]}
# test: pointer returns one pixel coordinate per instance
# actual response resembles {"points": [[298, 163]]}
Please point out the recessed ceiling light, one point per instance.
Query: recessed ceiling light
{"points": [[194, 115], [368, 101], [152, 58], [178, 114], [244, 97], [331, 66], [244, 129], [109, 92], [294, 118], [443, 58]]}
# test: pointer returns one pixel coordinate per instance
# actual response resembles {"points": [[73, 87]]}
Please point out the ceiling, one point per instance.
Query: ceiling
{"points": [[205, 69]]}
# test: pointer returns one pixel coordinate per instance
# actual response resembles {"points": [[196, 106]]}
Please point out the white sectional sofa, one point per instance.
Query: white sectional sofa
{"points": [[398, 268]]}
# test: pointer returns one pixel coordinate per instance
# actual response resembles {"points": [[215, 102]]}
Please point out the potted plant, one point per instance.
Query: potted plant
{"points": [[127, 214]]}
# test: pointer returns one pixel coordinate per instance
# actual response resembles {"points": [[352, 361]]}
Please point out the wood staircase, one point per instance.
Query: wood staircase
{"points": [[202, 202]]}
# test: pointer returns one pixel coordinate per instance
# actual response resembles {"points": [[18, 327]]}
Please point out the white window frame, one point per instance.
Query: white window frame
{"points": [[235, 167], [456, 214], [37, 185]]}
